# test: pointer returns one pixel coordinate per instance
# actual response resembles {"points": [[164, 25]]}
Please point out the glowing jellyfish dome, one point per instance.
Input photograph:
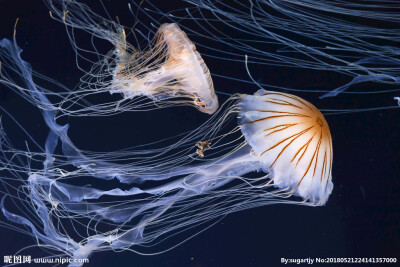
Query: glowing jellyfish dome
{"points": [[254, 140]]}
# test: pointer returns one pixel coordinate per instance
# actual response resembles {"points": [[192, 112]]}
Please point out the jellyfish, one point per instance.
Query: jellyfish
{"points": [[286, 137], [168, 70], [179, 71]]}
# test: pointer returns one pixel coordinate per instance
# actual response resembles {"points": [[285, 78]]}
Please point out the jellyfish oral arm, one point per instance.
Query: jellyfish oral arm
{"points": [[223, 171], [157, 84], [208, 176]]}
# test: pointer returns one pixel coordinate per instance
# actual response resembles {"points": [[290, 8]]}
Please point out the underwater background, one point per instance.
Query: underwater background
{"points": [[361, 218]]}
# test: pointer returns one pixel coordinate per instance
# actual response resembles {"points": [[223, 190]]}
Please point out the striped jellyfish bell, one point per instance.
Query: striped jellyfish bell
{"points": [[292, 140]]}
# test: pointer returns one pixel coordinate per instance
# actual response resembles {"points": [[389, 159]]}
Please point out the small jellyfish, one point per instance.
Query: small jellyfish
{"points": [[168, 71], [171, 68]]}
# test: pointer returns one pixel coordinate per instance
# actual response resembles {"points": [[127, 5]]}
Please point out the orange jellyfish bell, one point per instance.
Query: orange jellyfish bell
{"points": [[171, 68], [292, 139]]}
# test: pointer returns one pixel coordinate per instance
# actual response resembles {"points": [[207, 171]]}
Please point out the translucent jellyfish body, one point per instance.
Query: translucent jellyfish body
{"points": [[172, 67]]}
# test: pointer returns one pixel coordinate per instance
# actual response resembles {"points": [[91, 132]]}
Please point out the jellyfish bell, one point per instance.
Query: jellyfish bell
{"points": [[292, 139], [172, 68]]}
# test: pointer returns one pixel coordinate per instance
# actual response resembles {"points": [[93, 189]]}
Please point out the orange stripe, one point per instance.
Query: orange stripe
{"points": [[273, 117], [298, 135], [280, 142], [286, 126]]}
